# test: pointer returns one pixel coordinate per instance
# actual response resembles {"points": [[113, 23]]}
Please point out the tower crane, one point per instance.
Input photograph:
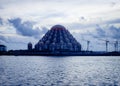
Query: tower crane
{"points": [[106, 44], [88, 44]]}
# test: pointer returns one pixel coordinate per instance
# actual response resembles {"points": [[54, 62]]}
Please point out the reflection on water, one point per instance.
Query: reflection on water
{"points": [[59, 71]]}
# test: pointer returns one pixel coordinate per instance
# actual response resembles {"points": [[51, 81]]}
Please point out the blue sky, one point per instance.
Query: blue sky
{"points": [[23, 21]]}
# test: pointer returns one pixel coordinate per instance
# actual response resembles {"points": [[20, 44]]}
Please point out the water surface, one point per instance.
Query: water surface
{"points": [[59, 71]]}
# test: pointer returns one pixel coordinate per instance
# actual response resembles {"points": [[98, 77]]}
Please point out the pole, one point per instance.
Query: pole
{"points": [[107, 46], [88, 42]]}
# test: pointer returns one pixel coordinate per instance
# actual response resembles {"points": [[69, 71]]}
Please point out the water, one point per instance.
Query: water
{"points": [[59, 71]]}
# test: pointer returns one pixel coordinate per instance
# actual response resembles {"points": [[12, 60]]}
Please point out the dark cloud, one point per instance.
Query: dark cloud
{"points": [[26, 28], [108, 32]]}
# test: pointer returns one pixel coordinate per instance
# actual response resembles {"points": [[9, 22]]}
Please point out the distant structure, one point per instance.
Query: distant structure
{"points": [[116, 46], [107, 45], [58, 38], [88, 43], [29, 46], [3, 48]]}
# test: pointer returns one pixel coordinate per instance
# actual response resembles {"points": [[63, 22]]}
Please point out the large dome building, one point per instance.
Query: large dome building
{"points": [[58, 38]]}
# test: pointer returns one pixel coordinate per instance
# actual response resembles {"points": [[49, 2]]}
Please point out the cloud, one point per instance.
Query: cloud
{"points": [[114, 32], [111, 32], [84, 25], [1, 7], [2, 39], [113, 21], [1, 21], [82, 18], [80, 26], [26, 28], [15, 41], [54, 15]]}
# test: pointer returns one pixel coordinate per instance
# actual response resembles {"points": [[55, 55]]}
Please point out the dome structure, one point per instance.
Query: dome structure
{"points": [[58, 27], [58, 38]]}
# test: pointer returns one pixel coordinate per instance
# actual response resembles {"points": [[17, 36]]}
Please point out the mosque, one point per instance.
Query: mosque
{"points": [[58, 38]]}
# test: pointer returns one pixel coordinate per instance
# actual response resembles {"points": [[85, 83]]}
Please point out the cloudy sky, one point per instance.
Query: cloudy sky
{"points": [[23, 21]]}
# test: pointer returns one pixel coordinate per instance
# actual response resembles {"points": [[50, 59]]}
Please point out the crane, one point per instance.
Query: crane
{"points": [[106, 43], [88, 43], [116, 45]]}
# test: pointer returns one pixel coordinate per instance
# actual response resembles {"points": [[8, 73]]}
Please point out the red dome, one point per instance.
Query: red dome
{"points": [[58, 27]]}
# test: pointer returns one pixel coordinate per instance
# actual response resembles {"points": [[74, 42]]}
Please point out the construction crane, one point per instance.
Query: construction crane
{"points": [[116, 45], [106, 44], [88, 44]]}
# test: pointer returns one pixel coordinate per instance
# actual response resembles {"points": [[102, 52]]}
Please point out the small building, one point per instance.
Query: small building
{"points": [[3, 48], [29, 46]]}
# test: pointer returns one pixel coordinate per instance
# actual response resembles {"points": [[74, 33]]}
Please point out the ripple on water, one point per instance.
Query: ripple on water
{"points": [[81, 71]]}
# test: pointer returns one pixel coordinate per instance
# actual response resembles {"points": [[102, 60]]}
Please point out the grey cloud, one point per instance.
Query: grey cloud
{"points": [[109, 32], [113, 21], [77, 25], [2, 39], [6, 39], [57, 14], [82, 18], [15, 42], [1, 21], [44, 29], [114, 32], [112, 4], [53, 14], [1, 7], [26, 28], [100, 31]]}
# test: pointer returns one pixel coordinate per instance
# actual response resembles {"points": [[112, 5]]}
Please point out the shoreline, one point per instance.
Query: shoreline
{"points": [[58, 53]]}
